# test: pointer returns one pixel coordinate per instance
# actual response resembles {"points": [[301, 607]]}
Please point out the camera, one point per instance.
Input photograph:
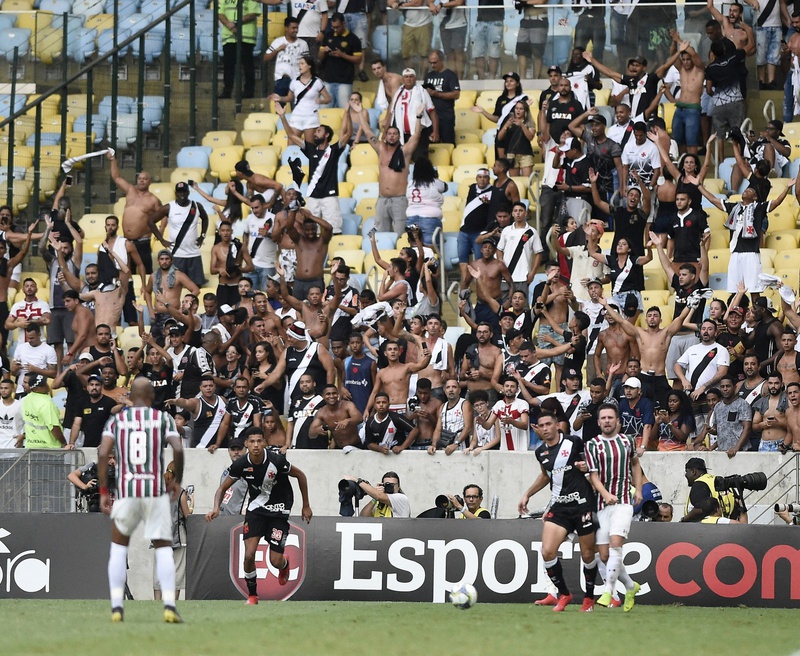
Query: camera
{"points": [[520, 6], [433, 264], [297, 203], [793, 508], [92, 494], [412, 404], [389, 488], [739, 483], [649, 510], [443, 502], [249, 294], [412, 231], [191, 183], [349, 490]]}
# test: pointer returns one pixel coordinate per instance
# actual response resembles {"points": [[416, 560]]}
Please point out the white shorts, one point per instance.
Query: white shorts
{"points": [[303, 121], [128, 513], [745, 268], [614, 520], [288, 257], [328, 209], [16, 274]]}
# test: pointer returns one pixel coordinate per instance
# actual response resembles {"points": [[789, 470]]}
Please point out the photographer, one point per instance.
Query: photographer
{"points": [[388, 499], [712, 513], [471, 503], [85, 480], [701, 485]]}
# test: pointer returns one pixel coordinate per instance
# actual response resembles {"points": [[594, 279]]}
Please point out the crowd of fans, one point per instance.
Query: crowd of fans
{"points": [[352, 368]]}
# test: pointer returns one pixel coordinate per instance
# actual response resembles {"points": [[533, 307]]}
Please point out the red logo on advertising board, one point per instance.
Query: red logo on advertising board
{"points": [[268, 587]]}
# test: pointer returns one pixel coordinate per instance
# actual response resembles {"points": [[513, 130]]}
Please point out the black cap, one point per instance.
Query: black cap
{"points": [[95, 377], [571, 373], [554, 69], [236, 444], [696, 463], [639, 60], [508, 313], [631, 305], [597, 118], [513, 75], [765, 303], [182, 186], [491, 240]]}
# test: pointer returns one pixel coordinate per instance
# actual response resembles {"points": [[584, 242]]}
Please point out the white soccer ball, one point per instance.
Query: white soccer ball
{"points": [[464, 595]]}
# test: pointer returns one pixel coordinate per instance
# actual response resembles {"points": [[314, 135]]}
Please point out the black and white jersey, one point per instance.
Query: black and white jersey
{"points": [[242, 413], [267, 483], [568, 485], [302, 413], [391, 431], [323, 166], [198, 363], [206, 421], [302, 362]]}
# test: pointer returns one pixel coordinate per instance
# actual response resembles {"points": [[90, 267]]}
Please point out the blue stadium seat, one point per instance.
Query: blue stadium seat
{"points": [[82, 45], [11, 38], [153, 112], [57, 7], [46, 139], [794, 168], [193, 157], [125, 8], [74, 23], [450, 256], [347, 205], [7, 21], [153, 46], [105, 42], [179, 47], [350, 223], [374, 117], [385, 241], [125, 105], [718, 281], [292, 152], [99, 122], [127, 131], [365, 190], [20, 100], [367, 224], [87, 8]]}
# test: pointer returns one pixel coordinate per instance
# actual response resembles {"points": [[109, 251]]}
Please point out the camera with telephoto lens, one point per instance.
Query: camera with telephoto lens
{"points": [[793, 508], [92, 493], [443, 502], [741, 482], [649, 510], [349, 490]]}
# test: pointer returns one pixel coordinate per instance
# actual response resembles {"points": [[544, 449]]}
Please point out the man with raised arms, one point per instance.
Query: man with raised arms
{"points": [[394, 378], [338, 419]]}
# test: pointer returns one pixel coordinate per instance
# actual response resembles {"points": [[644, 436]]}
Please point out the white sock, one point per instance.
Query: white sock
{"points": [[625, 579], [614, 566], [117, 573], [601, 568], [165, 570]]}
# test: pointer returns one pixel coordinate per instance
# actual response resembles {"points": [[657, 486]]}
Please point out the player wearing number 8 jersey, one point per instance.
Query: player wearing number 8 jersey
{"points": [[613, 466], [138, 435]]}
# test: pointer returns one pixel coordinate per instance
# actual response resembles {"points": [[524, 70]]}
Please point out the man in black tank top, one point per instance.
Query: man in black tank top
{"points": [[105, 347], [504, 189], [766, 336]]}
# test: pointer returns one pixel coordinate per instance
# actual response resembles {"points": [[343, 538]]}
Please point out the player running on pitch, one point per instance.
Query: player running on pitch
{"points": [[613, 463], [267, 473], [571, 507], [139, 435]]}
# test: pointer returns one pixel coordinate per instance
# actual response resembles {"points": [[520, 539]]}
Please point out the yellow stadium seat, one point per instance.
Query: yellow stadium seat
{"points": [[601, 96], [345, 242], [164, 191], [606, 239], [522, 186], [52, 123], [363, 155], [714, 185], [346, 189], [223, 160], [99, 22], [452, 203], [362, 174], [787, 260], [719, 239], [48, 181], [280, 139], [186, 174], [386, 255], [445, 173], [467, 99], [789, 277], [488, 99], [119, 207], [466, 172], [469, 154], [46, 42], [23, 157], [252, 138], [667, 112], [718, 259], [367, 99], [782, 241], [655, 297], [76, 145], [50, 156], [655, 279], [439, 156], [219, 138], [716, 218], [469, 136], [76, 104], [366, 207], [466, 119], [784, 217], [17, 5], [451, 221], [262, 120], [262, 159], [767, 255], [353, 257], [331, 116]]}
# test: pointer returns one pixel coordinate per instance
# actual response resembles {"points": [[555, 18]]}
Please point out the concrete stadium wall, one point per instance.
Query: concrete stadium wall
{"points": [[423, 477]]}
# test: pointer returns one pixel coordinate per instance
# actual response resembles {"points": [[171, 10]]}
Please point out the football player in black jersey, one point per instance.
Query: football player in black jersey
{"points": [[267, 473], [571, 508]]}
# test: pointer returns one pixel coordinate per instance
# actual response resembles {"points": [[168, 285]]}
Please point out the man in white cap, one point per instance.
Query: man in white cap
{"points": [[412, 102], [302, 355], [636, 415]]}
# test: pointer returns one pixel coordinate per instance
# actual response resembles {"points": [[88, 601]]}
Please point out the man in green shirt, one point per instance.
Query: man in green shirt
{"points": [[228, 10], [40, 416]]}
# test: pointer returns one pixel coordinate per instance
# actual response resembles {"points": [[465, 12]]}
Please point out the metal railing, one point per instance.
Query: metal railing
{"points": [[35, 480], [785, 480]]}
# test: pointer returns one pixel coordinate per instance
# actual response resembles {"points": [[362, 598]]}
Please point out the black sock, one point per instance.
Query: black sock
{"points": [[556, 574], [589, 573], [251, 585]]}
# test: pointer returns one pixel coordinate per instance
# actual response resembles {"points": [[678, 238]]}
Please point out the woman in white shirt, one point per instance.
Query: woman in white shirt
{"points": [[307, 92], [425, 199]]}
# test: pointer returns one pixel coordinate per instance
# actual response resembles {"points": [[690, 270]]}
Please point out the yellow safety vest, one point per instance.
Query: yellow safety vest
{"points": [[478, 512], [725, 499]]}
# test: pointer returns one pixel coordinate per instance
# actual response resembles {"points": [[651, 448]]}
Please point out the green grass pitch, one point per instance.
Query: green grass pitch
{"points": [[396, 629]]}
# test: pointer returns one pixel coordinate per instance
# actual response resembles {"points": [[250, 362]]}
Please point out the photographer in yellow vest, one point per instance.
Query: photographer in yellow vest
{"points": [[471, 503], [701, 486]]}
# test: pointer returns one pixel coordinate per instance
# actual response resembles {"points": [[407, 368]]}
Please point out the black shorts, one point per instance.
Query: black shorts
{"points": [[145, 251], [582, 519], [274, 529]]}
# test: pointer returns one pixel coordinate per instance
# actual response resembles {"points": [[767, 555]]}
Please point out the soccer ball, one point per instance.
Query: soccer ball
{"points": [[464, 595]]}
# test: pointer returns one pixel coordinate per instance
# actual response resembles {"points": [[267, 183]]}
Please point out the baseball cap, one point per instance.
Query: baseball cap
{"points": [[164, 251], [508, 314], [87, 357], [513, 75], [175, 330], [181, 186], [778, 125], [696, 463], [594, 281], [764, 302], [597, 118], [738, 309], [236, 444], [95, 377], [298, 331], [571, 373], [633, 381], [554, 69], [569, 144], [639, 60], [38, 380], [491, 240], [409, 71], [226, 309]]}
